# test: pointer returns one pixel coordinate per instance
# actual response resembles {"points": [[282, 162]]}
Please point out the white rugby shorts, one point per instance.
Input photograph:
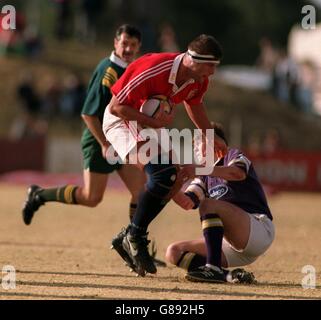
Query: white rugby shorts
{"points": [[124, 135], [260, 239]]}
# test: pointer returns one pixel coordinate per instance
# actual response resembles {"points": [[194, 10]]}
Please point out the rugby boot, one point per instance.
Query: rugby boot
{"points": [[240, 276], [32, 204], [117, 244], [206, 274], [137, 247]]}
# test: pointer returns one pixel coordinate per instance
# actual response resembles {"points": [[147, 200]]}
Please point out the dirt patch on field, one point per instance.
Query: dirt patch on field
{"points": [[65, 253]]}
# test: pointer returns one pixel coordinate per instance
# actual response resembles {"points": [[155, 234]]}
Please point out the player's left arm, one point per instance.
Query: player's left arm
{"points": [[94, 125], [236, 170], [197, 113]]}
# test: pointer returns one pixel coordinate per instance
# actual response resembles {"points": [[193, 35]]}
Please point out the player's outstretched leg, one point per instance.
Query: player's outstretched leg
{"points": [[152, 248], [161, 179], [32, 204], [38, 196]]}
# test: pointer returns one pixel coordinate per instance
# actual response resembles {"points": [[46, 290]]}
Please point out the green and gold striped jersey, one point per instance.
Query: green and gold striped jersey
{"points": [[107, 72]]}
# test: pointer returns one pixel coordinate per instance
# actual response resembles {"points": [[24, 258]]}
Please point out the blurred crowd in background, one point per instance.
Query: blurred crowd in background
{"points": [[79, 20], [85, 21], [60, 99], [292, 82]]}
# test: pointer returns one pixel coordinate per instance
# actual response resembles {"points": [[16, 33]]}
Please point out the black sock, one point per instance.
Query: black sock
{"points": [[161, 178], [213, 232], [190, 261], [148, 207], [132, 211]]}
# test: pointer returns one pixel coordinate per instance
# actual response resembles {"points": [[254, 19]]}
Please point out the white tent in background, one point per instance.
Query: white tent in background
{"points": [[305, 45]]}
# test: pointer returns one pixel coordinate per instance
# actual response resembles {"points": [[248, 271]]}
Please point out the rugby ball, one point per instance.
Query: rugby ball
{"points": [[152, 107]]}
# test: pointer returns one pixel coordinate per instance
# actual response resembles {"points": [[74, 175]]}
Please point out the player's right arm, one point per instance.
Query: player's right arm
{"points": [[94, 125], [97, 97]]}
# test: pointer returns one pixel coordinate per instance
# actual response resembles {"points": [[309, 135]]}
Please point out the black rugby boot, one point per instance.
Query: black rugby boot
{"points": [[32, 204]]}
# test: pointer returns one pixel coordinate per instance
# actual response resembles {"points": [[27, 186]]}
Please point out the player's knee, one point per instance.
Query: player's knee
{"points": [[93, 200], [160, 178], [173, 253]]}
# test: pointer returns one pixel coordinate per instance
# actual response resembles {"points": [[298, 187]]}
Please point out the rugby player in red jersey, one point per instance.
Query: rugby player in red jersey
{"points": [[181, 78]]}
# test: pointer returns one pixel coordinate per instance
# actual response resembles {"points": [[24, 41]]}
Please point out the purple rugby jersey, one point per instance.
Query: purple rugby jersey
{"points": [[247, 194]]}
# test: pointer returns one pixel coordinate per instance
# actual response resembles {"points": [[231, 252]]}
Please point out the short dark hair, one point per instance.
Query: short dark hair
{"points": [[206, 44], [218, 128], [131, 30]]}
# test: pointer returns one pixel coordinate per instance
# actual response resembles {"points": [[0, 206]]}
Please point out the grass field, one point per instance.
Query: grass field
{"points": [[65, 253]]}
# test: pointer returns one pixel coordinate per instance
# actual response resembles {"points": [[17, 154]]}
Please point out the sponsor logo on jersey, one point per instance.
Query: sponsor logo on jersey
{"points": [[218, 191]]}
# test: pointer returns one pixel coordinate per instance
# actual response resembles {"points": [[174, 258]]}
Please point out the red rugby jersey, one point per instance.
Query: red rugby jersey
{"points": [[155, 74]]}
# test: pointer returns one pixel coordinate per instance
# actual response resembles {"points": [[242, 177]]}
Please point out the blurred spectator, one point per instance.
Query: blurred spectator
{"points": [[52, 97], [24, 40], [28, 122], [33, 42], [307, 79], [285, 79], [73, 96], [88, 18], [268, 55], [63, 19], [149, 35], [167, 39]]}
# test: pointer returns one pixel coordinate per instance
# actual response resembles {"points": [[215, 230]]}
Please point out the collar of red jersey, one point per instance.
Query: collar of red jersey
{"points": [[174, 70], [113, 58]]}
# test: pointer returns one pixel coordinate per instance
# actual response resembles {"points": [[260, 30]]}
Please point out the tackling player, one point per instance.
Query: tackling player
{"points": [[181, 77], [235, 217]]}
